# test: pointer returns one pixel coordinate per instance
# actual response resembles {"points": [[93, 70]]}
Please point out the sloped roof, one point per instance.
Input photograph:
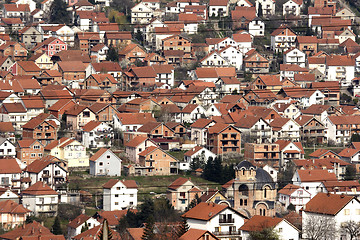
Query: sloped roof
{"points": [[258, 223], [79, 220], [9, 166], [316, 175], [335, 202], [39, 188], [204, 211], [178, 183]]}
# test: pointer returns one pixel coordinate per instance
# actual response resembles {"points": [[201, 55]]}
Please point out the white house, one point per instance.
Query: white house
{"points": [[99, 52], [243, 42], [338, 210], [292, 7], [191, 113], [10, 174], [218, 8], [295, 56], [153, 4], [340, 68], [105, 162], [282, 38], [289, 151], [202, 153], [256, 27], [311, 180], [344, 35], [283, 228], [47, 171], [141, 14], [119, 195], [267, 6], [285, 128], [227, 85], [220, 43], [335, 130], [77, 224], [214, 59], [97, 135], [7, 148], [295, 195], [199, 130], [254, 129], [244, 3], [40, 199], [233, 56], [272, 172], [130, 122], [216, 218]]}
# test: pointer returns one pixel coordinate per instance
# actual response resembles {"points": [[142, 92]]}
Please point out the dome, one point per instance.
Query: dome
{"points": [[245, 164], [263, 178]]}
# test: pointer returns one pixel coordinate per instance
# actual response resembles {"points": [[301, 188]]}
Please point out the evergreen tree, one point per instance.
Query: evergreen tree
{"points": [[194, 202], [58, 12], [207, 173], [149, 229], [355, 137], [146, 210], [105, 232], [217, 170], [56, 227], [350, 173], [265, 234], [84, 228], [183, 228], [260, 10], [112, 54]]}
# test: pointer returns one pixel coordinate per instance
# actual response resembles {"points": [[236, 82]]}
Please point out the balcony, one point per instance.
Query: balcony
{"points": [[224, 221], [227, 233]]}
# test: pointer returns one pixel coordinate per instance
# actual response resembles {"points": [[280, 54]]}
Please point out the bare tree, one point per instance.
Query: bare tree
{"points": [[319, 227], [351, 228]]}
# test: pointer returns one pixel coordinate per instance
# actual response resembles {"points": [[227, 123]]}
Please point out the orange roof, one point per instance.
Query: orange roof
{"points": [[91, 126], [335, 203], [39, 188], [136, 233], [135, 118], [26, 143], [6, 127], [9, 206], [340, 60], [37, 165], [348, 152], [30, 229], [289, 189], [178, 183], [135, 141], [79, 220], [114, 216], [196, 234], [204, 211], [148, 150], [9, 165], [127, 183], [98, 154], [258, 223], [316, 175]]}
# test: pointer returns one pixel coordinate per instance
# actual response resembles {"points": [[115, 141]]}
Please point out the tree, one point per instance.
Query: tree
{"points": [[351, 228], [318, 227], [84, 228], [194, 202], [350, 173], [260, 10], [355, 138], [146, 210], [123, 6], [58, 12], [56, 227], [105, 232], [112, 54], [149, 229], [265, 234], [183, 228]]}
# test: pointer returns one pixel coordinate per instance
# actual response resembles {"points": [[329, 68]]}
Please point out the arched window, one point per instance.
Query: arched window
{"points": [[245, 202], [241, 202], [243, 172], [265, 192], [244, 190]]}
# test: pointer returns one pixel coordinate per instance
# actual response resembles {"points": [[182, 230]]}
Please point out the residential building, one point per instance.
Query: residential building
{"points": [[181, 192], [292, 7], [267, 6], [157, 162], [218, 8], [7, 148], [28, 150], [295, 56], [97, 135], [262, 153], [80, 222], [282, 38], [105, 162], [12, 214], [119, 195]]}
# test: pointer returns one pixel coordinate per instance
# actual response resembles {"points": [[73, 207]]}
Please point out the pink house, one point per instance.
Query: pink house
{"points": [[50, 46]]}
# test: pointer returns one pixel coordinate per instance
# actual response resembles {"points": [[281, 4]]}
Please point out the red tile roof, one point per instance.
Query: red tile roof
{"points": [[258, 223], [204, 211], [335, 203], [128, 183], [39, 188], [178, 183], [316, 175], [33, 229], [79, 220], [9, 206], [98, 154], [9, 166]]}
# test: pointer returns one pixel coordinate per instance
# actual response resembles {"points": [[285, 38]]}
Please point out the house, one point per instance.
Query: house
{"points": [[191, 22], [218, 8], [70, 150], [340, 68], [267, 6], [339, 128], [269, 82], [156, 130], [15, 50], [295, 56], [132, 53], [262, 153], [82, 221], [181, 192], [191, 113], [295, 195], [105, 162], [289, 70], [257, 190], [242, 17], [285, 128], [10, 174], [287, 110], [117, 38], [198, 234], [97, 135], [292, 7], [233, 56], [289, 150], [307, 44], [119, 195], [212, 217], [101, 81], [42, 60], [12, 214], [78, 116], [28, 150], [7, 131], [200, 153], [99, 52], [7, 148], [141, 14], [30, 36], [223, 138], [283, 228], [341, 209], [46, 171], [228, 85], [73, 72], [40, 199], [254, 62], [157, 162], [254, 129], [282, 38], [136, 146], [311, 180], [50, 46], [311, 129], [256, 27], [43, 127], [131, 121], [21, 11]]}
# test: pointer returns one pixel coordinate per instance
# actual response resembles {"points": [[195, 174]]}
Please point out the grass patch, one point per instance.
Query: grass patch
{"points": [[178, 154]]}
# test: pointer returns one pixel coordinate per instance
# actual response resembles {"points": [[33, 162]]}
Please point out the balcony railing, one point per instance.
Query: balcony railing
{"points": [[231, 220], [227, 233]]}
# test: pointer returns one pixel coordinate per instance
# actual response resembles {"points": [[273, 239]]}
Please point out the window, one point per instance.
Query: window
{"points": [[116, 203], [347, 212], [116, 195], [101, 163]]}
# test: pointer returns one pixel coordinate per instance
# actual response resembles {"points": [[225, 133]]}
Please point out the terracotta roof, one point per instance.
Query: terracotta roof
{"points": [[72, 66], [306, 39], [148, 127], [114, 216], [135, 141], [75, 110], [94, 234], [98, 154], [90, 126], [335, 202], [196, 234], [9, 206], [78, 221], [9, 166], [135, 118], [6, 127], [148, 150], [204, 211], [14, 107], [31, 101], [240, 37], [39, 188], [17, 7], [201, 123], [108, 66], [288, 189], [127, 183], [340, 60], [34, 229], [193, 151], [316, 175], [26, 143], [258, 223], [319, 152], [136, 233], [178, 183]]}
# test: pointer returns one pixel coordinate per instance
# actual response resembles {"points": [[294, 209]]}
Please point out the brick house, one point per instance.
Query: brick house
{"points": [[157, 162], [223, 138], [25, 68], [104, 111], [28, 150], [78, 116], [263, 153], [254, 62], [132, 52], [157, 130], [118, 38], [177, 42], [41, 128], [101, 81], [73, 72], [87, 40], [50, 46], [15, 50], [307, 44]]}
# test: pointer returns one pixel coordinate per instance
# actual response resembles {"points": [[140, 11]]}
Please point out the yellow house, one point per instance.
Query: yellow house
{"points": [[42, 60], [269, 82], [70, 150], [214, 196]]}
